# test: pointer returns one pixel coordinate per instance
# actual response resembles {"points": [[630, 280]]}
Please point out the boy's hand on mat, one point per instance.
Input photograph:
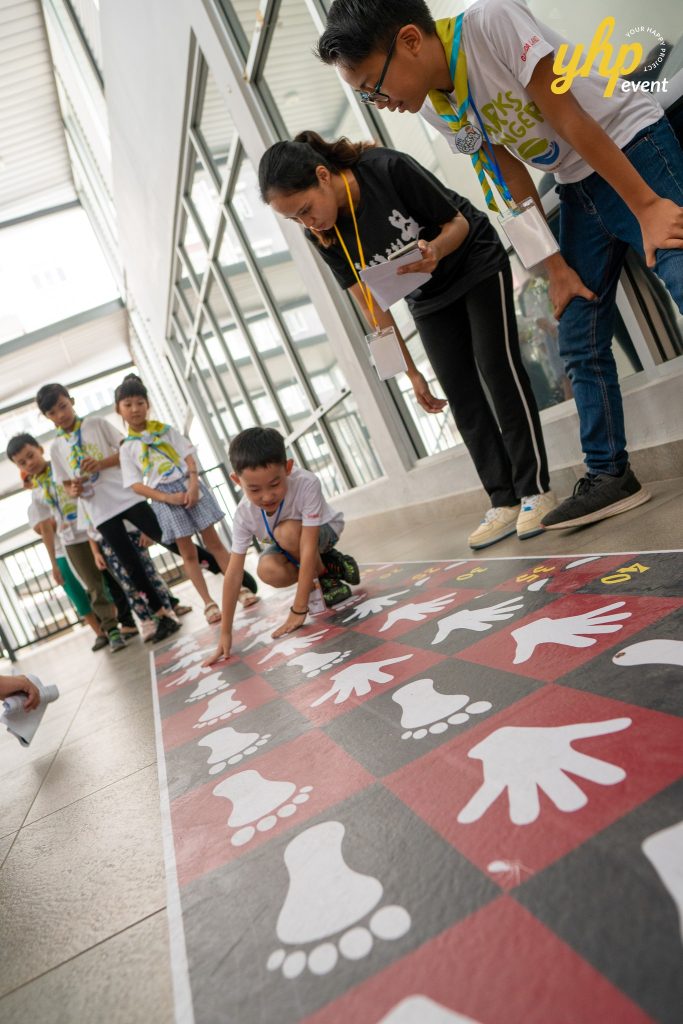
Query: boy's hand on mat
{"points": [[222, 652], [292, 623], [661, 226], [428, 401], [564, 284], [57, 576]]}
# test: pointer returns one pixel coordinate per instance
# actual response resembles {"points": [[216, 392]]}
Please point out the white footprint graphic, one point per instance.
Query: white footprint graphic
{"points": [[219, 708], [425, 710], [189, 675], [258, 803], [313, 664], [327, 900], [538, 584], [228, 746], [423, 1010], [651, 652], [212, 684], [664, 850]]}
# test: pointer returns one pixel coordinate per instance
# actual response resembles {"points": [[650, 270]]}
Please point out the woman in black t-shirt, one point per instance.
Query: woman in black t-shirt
{"points": [[464, 314]]}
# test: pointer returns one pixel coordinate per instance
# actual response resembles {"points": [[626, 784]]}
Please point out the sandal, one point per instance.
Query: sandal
{"points": [[182, 609], [246, 598], [212, 613]]}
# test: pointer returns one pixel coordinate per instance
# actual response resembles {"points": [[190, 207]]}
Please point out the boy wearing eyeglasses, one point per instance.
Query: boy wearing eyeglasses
{"points": [[617, 162]]}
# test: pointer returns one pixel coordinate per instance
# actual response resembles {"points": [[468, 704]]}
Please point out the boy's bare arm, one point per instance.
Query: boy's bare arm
{"points": [[231, 588], [308, 570], [660, 220], [46, 529]]}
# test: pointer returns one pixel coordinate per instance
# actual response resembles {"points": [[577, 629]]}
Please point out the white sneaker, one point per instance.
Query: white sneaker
{"points": [[533, 509], [497, 523]]}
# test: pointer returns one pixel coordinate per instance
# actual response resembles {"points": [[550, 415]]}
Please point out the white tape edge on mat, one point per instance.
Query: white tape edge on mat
{"points": [[533, 555], [182, 993]]}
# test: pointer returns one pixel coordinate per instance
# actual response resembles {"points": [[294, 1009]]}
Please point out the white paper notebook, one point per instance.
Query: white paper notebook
{"points": [[387, 286]]}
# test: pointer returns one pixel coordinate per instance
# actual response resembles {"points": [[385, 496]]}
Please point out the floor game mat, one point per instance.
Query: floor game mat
{"points": [[455, 799]]}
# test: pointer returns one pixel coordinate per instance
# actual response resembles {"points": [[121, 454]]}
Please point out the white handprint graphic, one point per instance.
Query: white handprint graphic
{"points": [[262, 635], [572, 631], [357, 679], [374, 605], [416, 612], [524, 760], [479, 619], [292, 644]]}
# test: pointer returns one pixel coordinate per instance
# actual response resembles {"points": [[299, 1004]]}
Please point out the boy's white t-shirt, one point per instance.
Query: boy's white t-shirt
{"points": [[503, 43], [38, 512], [161, 469], [66, 514], [107, 495], [304, 502]]}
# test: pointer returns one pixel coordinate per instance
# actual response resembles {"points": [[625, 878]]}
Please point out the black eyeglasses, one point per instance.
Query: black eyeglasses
{"points": [[376, 93]]}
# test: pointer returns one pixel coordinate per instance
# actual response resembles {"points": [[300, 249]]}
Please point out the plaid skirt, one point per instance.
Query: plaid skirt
{"points": [[178, 521]]}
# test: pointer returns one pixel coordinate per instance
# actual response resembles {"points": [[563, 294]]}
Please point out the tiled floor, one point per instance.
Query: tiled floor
{"points": [[82, 891]]}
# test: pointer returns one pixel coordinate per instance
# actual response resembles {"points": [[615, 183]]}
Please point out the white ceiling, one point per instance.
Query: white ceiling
{"points": [[34, 165], [81, 351]]}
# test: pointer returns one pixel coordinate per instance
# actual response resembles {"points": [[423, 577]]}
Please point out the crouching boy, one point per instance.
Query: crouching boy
{"points": [[284, 507]]}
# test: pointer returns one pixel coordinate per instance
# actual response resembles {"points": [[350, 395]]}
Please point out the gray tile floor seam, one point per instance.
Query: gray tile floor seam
{"points": [[82, 952], [86, 796]]}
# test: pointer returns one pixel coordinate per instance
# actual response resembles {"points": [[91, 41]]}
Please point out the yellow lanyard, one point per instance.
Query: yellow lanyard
{"points": [[365, 291]]}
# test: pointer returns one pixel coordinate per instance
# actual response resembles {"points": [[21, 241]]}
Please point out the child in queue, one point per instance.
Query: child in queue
{"points": [[157, 462]]}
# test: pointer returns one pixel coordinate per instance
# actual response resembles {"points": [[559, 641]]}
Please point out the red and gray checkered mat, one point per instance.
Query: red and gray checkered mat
{"points": [[457, 798]]}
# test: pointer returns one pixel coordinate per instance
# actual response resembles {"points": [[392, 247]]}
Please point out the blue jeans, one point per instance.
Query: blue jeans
{"points": [[596, 228]]}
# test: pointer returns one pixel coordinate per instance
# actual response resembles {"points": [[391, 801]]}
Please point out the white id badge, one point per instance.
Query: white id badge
{"points": [[529, 234], [386, 353]]}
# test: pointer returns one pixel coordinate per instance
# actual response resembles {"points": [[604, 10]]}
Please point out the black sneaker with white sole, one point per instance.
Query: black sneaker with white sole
{"points": [[344, 567], [596, 497], [166, 626]]}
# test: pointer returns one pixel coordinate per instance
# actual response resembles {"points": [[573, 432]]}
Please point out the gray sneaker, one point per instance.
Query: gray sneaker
{"points": [[597, 497], [116, 641]]}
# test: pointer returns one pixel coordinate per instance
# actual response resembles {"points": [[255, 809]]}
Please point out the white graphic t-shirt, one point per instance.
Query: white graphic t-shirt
{"points": [[503, 43], [61, 507], [38, 512], [304, 502], [105, 495], [161, 469]]}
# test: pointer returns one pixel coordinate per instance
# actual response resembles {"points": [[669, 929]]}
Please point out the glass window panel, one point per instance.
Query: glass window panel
{"points": [[230, 253], [351, 437], [218, 406], [204, 197], [245, 12], [317, 458], [287, 287], [183, 319], [306, 94], [215, 125], [194, 248], [186, 287]]}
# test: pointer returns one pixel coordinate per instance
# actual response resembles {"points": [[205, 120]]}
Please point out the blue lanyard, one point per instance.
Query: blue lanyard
{"points": [[498, 174], [267, 525]]}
